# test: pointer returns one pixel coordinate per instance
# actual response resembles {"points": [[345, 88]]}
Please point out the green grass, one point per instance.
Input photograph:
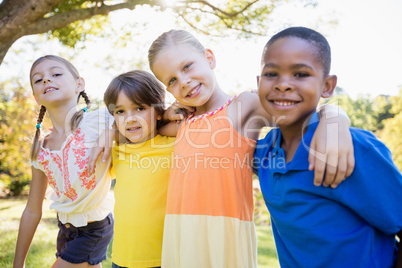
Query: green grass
{"points": [[43, 247]]}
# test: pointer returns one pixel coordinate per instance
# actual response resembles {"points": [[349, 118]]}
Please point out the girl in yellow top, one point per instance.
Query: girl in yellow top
{"points": [[141, 164], [209, 212]]}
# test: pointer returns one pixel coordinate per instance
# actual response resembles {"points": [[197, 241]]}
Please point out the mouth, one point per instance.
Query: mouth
{"points": [[133, 129], [49, 89], [194, 91], [284, 103]]}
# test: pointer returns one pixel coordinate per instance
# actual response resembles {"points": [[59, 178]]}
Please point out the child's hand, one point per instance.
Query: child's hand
{"points": [[177, 112], [331, 150], [104, 145]]}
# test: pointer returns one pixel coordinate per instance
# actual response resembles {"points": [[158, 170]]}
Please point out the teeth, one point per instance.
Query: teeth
{"points": [[192, 92], [49, 89], [132, 128], [284, 103]]}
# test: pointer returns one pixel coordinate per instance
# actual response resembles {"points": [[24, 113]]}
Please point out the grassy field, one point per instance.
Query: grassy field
{"points": [[41, 253]]}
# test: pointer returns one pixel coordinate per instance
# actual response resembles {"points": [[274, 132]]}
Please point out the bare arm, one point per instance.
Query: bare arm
{"points": [[337, 161], [398, 263], [173, 117], [331, 150], [103, 146], [30, 217]]}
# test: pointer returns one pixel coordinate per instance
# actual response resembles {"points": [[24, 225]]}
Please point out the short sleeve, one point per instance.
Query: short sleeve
{"points": [[374, 189]]}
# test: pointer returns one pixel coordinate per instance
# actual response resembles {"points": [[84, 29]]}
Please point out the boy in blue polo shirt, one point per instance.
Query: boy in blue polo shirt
{"points": [[353, 225]]}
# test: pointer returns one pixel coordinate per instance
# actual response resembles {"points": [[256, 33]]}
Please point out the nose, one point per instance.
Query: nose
{"points": [[46, 80], [283, 84], [131, 117], [184, 80]]}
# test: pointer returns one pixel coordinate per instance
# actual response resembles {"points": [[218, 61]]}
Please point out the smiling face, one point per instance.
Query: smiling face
{"points": [[135, 122], [52, 83], [186, 73], [292, 81]]}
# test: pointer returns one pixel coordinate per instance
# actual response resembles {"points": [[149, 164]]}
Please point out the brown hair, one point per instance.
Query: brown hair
{"points": [[140, 87], [77, 117], [172, 37]]}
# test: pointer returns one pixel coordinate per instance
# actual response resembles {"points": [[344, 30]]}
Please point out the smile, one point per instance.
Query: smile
{"points": [[132, 129], [285, 103], [50, 89], [192, 92]]}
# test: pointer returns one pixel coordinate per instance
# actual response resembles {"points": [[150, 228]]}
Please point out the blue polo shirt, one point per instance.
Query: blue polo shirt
{"points": [[353, 225]]}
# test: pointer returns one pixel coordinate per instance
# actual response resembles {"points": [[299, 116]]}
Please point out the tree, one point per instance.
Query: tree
{"points": [[63, 19], [17, 120], [392, 131]]}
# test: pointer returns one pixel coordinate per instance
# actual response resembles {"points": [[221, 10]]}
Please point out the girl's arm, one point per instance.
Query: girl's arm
{"points": [[337, 161], [398, 263], [173, 117], [30, 217], [103, 146], [331, 149]]}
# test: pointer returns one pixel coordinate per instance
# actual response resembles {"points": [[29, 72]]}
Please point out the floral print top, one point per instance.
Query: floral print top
{"points": [[77, 196]]}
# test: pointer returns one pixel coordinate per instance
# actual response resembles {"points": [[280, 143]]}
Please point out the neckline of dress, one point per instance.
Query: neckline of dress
{"points": [[192, 119]]}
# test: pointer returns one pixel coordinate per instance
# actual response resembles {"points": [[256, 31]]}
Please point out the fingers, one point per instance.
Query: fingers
{"points": [[341, 172], [351, 164], [319, 170], [176, 117], [311, 159], [95, 153], [106, 153]]}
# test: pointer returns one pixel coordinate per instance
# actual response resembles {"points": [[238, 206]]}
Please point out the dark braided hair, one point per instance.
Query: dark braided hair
{"points": [[36, 144]]}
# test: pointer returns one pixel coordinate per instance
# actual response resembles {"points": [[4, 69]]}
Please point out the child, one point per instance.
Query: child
{"points": [[317, 226], [81, 200], [209, 214], [141, 165]]}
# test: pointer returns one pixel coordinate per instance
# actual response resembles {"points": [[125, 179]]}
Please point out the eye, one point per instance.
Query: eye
{"points": [[37, 81], [118, 112], [187, 66], [140, 109], [270, 74], [57, 74], [301, 74], [171, 81]]}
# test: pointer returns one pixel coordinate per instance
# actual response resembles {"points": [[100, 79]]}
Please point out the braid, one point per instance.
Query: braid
{"points": [[36, 143], [77, 117], [87, 100]]}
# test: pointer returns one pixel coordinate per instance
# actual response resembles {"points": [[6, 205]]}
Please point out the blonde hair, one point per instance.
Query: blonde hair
{"points": [[172, 37], [77, 117]]}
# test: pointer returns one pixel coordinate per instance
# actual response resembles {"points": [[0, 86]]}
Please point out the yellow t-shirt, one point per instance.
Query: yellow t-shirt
{"points": [[142, 173]]}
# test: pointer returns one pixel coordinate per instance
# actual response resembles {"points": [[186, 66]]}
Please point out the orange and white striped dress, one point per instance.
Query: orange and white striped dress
{"points": [[209, 214]]}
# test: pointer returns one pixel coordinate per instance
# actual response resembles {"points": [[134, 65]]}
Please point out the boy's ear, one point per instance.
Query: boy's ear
{"points": [[80, 85], [210, 58], [329, 86]]}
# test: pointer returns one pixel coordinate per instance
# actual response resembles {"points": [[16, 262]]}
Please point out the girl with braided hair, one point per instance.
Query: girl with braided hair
{"points": [[59, 159]]}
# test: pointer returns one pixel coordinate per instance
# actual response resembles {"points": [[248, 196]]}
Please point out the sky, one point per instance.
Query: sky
{"points": [[365, 37]]}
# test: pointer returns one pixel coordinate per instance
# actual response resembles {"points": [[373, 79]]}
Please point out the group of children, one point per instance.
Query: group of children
{"points": [[183, 193]]}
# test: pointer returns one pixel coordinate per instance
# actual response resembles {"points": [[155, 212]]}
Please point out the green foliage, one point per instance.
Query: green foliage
{"points": [[392, 132], [17, 115], [80, 31], [364, 112], [237, 15]]}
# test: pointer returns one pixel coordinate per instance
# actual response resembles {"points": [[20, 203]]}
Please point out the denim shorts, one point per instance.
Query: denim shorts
{"points": [[85, 244]]}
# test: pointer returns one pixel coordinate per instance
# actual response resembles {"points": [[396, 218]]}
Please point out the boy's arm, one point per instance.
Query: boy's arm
{"points": [[398, 263], [30, 217], [331, 150]]}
